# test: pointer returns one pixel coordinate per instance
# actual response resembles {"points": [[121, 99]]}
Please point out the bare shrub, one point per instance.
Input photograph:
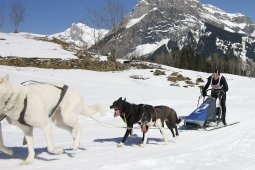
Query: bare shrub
{"points": [[159, 73]]}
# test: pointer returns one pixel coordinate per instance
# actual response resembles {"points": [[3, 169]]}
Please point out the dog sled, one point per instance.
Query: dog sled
{"points": [[208, 115]]}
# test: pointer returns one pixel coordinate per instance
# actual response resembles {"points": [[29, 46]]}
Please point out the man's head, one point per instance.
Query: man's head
{"points": [[216, 74]]}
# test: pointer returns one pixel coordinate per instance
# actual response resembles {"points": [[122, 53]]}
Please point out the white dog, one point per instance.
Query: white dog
{"points": [[35, 105]]}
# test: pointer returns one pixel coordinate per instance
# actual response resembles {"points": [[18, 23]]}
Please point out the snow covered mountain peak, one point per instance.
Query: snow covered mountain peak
{"points": [[192, 10], [178, 23], [213, 8], [81, 35]]}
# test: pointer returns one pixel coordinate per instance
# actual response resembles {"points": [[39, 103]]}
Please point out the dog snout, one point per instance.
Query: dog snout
{"points": [[116, 112], [111, 107]]}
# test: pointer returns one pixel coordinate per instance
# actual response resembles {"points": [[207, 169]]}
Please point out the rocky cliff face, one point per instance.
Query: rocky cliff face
{"points": [[158, 26]]}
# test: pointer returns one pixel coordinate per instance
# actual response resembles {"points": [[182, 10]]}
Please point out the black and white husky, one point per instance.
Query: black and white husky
{"points": [[157, 117], [36, 105], [145, 115]]}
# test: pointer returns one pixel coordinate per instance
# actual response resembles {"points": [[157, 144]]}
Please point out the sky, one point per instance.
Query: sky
{"points": [[54, 16]]}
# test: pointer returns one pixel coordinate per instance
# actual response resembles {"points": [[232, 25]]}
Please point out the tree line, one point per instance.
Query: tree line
{"points": [[186, 58]]}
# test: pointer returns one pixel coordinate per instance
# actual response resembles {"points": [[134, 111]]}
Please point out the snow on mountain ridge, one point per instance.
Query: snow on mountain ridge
{"points": [[81, 35], [213, 8], [200, 11], [230, 20]]}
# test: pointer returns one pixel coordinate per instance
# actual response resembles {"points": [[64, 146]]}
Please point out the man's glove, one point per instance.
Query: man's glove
{"points": [[204, 93]]}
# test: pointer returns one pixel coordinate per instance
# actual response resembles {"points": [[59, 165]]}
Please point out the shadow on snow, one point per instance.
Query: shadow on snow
{"points": [[22, 153], [130, 141]]}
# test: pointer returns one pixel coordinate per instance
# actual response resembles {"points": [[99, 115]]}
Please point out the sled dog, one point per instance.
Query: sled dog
{"points": [[130, 114], [145, 115], [36, 105], [157, 117]]}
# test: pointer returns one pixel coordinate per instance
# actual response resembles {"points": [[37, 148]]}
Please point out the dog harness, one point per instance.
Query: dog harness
{"points": [[21, 119], [22, 114], [154, 116]]}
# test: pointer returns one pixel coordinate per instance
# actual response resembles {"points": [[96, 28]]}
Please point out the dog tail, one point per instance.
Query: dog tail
{"points": [[91, 110], [179, 120]]}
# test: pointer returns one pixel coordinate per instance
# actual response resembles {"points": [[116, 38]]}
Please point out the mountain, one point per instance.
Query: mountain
{"points": [[156, 27], [81, 35]]}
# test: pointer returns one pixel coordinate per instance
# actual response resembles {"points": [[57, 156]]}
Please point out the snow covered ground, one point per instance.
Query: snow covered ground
{"points": [[227, 148], [24, 45]]}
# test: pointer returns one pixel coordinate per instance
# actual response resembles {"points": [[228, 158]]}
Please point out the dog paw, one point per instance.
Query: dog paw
{"points": [[120, 144], [133, 135], [56, 150], [142, 145], [29, 160], [26, 162], [76, 146], [59, 150]]}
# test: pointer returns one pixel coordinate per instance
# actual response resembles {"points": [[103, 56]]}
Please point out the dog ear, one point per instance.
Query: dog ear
{"points": [[120, 99], [124, 99]]}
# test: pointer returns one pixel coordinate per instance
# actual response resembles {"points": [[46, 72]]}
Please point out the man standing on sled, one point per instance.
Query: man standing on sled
{"points": [[218, 83]]}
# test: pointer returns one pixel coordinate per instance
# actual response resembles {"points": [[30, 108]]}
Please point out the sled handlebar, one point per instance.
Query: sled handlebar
{"points": [[217, 90]]}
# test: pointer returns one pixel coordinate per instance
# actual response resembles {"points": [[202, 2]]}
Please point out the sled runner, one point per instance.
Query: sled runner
{"points": [[219, 126]]}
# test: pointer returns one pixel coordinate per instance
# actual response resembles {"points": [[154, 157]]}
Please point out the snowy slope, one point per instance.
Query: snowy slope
{"points": [[226, 148], [24, 45]]}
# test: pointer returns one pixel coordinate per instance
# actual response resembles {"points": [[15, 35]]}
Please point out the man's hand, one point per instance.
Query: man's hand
{"points": [[204, 93]]}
